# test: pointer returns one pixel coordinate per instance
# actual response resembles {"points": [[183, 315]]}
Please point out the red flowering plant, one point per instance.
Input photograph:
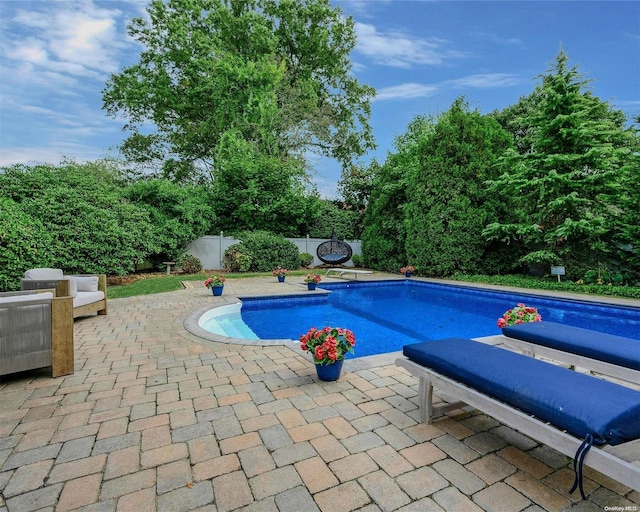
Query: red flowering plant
{"points": [[521, 314], [408, 268], [328, 345], [279, 272], [312, 278], [215, 280]]}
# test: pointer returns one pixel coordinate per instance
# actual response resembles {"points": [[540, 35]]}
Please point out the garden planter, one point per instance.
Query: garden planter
{"points": [[329, 372], [311, 286], [217, 290], [281, 279]]}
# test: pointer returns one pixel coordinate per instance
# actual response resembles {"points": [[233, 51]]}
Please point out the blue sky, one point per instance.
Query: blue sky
{"points": [[55, 57]]}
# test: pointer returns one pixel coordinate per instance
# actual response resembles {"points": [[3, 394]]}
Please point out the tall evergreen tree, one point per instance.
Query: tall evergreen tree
{"points": [[448, 206], [561, 187], [384, 236]]}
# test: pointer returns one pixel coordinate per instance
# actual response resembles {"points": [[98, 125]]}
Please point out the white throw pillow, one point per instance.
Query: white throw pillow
{"points": [[43, 274], [87, 283]]}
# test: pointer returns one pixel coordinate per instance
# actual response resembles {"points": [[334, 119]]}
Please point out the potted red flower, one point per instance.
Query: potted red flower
{"points": [[329, 346], [408, 270], [312, 280], [280, 273], [216, 283]]}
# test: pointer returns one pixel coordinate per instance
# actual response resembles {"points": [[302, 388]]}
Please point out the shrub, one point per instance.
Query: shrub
{"points": [[602, 277], [357, 260], [305, 259], [268, 251], [191, 264], [237, 258], [90, 227], [25, 244], [178, 213]]}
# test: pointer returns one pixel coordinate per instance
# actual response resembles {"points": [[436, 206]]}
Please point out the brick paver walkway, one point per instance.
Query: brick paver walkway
{"points": [[156, 418]]}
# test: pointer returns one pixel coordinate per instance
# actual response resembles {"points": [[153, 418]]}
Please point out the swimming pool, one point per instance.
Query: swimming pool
{"points": [[385, 315]]}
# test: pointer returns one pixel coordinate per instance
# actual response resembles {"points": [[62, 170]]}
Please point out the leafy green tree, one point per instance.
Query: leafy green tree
{"points": [[447, 205], [626, 201], [355, 186], [384, 236], [516, 119], [334, 215], [257, 191], [178, 215], [562, 188], [275, 73]]}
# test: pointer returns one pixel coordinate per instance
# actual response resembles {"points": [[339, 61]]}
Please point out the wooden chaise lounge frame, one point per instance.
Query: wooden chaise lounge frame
{"points": [[531, 349], [613, 461], [100, 306]]}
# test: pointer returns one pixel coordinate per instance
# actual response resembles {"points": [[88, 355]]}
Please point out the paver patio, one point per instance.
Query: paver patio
{"points": [[156, 418]]}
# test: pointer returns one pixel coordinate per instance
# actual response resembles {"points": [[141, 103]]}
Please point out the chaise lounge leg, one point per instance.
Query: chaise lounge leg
{"points": [[425, 396]]}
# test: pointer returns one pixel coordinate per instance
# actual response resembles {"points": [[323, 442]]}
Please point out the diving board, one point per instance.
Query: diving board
{"points": [[341, 271]]}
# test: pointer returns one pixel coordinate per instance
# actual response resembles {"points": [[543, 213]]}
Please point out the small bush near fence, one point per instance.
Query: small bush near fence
{"points": [[261, 252], [306, 259], [237, 258], [191, 264]]}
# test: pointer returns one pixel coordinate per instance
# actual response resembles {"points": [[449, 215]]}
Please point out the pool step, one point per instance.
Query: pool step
{"points": [[233, 327]]}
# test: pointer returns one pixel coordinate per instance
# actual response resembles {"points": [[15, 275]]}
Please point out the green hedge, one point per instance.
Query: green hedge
{"points": [[631, 292]]}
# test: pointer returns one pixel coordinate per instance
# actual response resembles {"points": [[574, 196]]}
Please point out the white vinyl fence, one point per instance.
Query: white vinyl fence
{"points": [[210, 249]]}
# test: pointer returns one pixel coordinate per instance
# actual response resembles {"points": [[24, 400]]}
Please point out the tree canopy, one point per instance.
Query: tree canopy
{"points": [[563, 188], [448, 205], [458, 196], [276, 74]]}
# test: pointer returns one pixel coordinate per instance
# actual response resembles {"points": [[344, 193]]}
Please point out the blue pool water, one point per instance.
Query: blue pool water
{"points": [[384, 316]]}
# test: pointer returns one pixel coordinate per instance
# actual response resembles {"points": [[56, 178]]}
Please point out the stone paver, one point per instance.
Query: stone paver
{"points": [[157, 418]]}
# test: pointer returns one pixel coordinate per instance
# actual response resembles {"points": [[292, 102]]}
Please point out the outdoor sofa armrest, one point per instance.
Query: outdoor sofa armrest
{"points": [[36, 331]]}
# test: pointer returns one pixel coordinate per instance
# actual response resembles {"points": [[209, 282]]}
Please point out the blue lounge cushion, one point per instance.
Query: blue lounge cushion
{"points": [[571, 401], [612, 349]]}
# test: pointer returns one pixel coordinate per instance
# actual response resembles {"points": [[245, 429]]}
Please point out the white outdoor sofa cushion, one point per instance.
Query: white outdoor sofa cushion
{"points": [[89, 291]]}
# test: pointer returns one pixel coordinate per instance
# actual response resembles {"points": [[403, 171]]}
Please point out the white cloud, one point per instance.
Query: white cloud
{"points": [[398, 49], [363, 8], [504, 41], [50, 155], [405, 91], [75, 39], [484, 81]]}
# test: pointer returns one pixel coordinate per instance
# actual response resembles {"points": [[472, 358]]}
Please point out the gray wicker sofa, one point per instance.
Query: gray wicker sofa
{"points": [[88, 291], [36, 331]]}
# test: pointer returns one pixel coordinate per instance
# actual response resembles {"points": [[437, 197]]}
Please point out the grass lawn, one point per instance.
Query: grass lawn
{"points": [[159, 284]]}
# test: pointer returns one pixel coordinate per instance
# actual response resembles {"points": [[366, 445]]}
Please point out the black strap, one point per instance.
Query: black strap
{"points": [[578, 463]]}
